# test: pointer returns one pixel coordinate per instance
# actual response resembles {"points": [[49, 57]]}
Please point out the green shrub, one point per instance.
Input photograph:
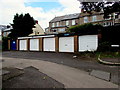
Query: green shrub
{"points": [[104, 46], [88, 28]]}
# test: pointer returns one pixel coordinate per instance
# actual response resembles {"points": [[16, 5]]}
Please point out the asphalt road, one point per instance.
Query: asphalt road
{"points": [[68, 76], [67, 59]]}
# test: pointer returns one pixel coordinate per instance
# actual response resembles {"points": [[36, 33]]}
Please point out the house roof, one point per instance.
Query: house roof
{"points": [[8, 29], [73, 16], [3, 27], [65, 17]]}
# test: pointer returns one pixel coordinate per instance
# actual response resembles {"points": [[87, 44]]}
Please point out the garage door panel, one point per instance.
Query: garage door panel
{"points": [[88, 43], [66, 44], [23, 45], [34, 44], [49, 44]]}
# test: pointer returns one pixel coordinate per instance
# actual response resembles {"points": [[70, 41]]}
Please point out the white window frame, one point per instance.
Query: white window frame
{"points": [[108, 24], [57, 24], [73, 22], [60, 23], [115, 16], [67, 23], [61, 30], [94, 18], [53, 24], [85, 19]]}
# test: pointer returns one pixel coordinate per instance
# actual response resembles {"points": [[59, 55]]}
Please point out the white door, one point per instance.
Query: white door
{"points": [[49, 44], [23, 45], [34, 44], [66, 44], [88, 43]]}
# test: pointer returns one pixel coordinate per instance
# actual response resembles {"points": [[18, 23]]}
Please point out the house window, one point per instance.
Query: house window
{"points": [[73, 22], [108, 24], [110, 17], [4, 34], [57, 24], [94, 18], [8, 33], [53, 24], [115, 16], [85, 19], [46, 29], [61, 23], [67, 23], [61, 29], [54, 30]]}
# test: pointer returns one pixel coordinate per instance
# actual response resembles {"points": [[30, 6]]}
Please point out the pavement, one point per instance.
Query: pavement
{"points": [[69, 76], [112, 60]]}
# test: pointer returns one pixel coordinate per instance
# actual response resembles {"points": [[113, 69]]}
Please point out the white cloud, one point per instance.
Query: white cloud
{"points": [[9, 8], [41, 0]]}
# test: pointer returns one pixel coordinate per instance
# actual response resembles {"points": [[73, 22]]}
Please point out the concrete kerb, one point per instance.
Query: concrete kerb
{"points": [[107, 63]]}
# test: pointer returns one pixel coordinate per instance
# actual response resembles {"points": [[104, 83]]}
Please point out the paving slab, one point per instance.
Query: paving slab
{"points": [[101, 74]]}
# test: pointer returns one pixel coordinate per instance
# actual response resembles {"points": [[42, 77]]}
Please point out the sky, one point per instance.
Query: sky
{"points": [[41, 10]]}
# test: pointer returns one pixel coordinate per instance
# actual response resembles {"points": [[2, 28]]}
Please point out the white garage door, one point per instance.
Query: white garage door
{"points": [[34, 44], [23, 45], [66, 44], [88, 43], [49, 44]]}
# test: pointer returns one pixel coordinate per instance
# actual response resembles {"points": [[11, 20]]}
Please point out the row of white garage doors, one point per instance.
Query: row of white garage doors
{"points": [[66, 44]]}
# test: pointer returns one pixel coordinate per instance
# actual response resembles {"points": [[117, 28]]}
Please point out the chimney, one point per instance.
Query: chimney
{"points": [[36, 21], [82, 10]]}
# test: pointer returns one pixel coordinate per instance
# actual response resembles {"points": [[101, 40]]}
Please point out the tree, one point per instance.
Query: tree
{"points": [[107, 7], [22, 25]]}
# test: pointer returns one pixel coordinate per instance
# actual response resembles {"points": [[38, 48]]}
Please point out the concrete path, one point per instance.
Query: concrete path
{"points": [[70, 77]]}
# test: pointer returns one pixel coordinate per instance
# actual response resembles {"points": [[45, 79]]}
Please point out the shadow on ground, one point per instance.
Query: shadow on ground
{"points": [[29, 77]]}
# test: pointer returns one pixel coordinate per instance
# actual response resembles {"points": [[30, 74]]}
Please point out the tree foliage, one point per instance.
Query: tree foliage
{"points": [[107, 7], [111, 34], [5, 43], [88, 28], [22, 25]]}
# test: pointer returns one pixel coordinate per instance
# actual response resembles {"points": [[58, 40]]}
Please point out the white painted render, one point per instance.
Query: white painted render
{"points": [[37, 30]]}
